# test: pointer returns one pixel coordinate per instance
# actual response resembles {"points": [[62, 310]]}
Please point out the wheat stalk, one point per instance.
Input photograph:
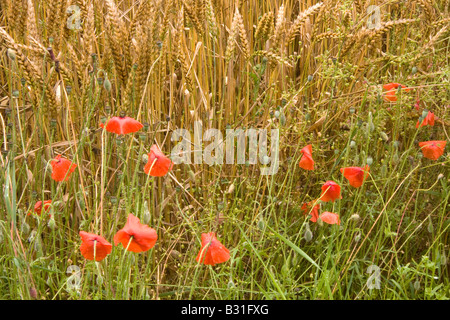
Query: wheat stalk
{"points": [[295, 28], [243, 35], [264, 26], [279, 28], [231, 40]]}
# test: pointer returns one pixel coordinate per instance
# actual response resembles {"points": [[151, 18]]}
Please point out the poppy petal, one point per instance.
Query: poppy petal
{"points": [[212, 251], [314, 212], [158, 164], [62, 168], [330, 218], [123, 125], [432, 149], [142, 237], [355, 175], [306, 162], [94, 246], [331, 191]]}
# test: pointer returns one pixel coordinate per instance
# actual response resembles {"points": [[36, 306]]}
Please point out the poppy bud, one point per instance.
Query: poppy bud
{"points": [[265, 160], [11, 54], [417, 285], [424, 114], [230, 188], [282, 119], [51, 223], [261, 224], [38, 247], [230, 284], [443, 260], [395, 158], [308, 235], [277, 114], [369, 160], [32, 236], [355, 217], [15, 93], [430, 227], [25, 228], [414, 70], [384, 136], [352, 144], [107, 85], [352, 110], [142, 136], [146, 215], [310, 78], [33, 293]]}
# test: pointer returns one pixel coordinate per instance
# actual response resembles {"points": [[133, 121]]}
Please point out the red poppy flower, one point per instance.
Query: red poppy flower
{"points": [[122, 125], [39, 206], [307, 162], [142, 237], [390, 94], [306, 208], [432, 149], [212, 251], [355, 175], [429, 120], [330, 218], [158, 164], [331, 191], [62, 168], [94, 245]]}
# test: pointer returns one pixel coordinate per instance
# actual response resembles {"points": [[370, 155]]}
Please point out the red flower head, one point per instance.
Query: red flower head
{"points": [[306, 208], [38, 207], [429, 120], [331, 191], [62, 168], [212, 251], [158, 164], [122, 125], [356, 175], [94, 245], [432, 149], [142, 237], [390, 94], [307, 162], [330, 218]]}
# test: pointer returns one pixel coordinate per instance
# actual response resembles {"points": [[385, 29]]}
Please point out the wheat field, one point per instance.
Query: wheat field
{"points": [[313, 70]]}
